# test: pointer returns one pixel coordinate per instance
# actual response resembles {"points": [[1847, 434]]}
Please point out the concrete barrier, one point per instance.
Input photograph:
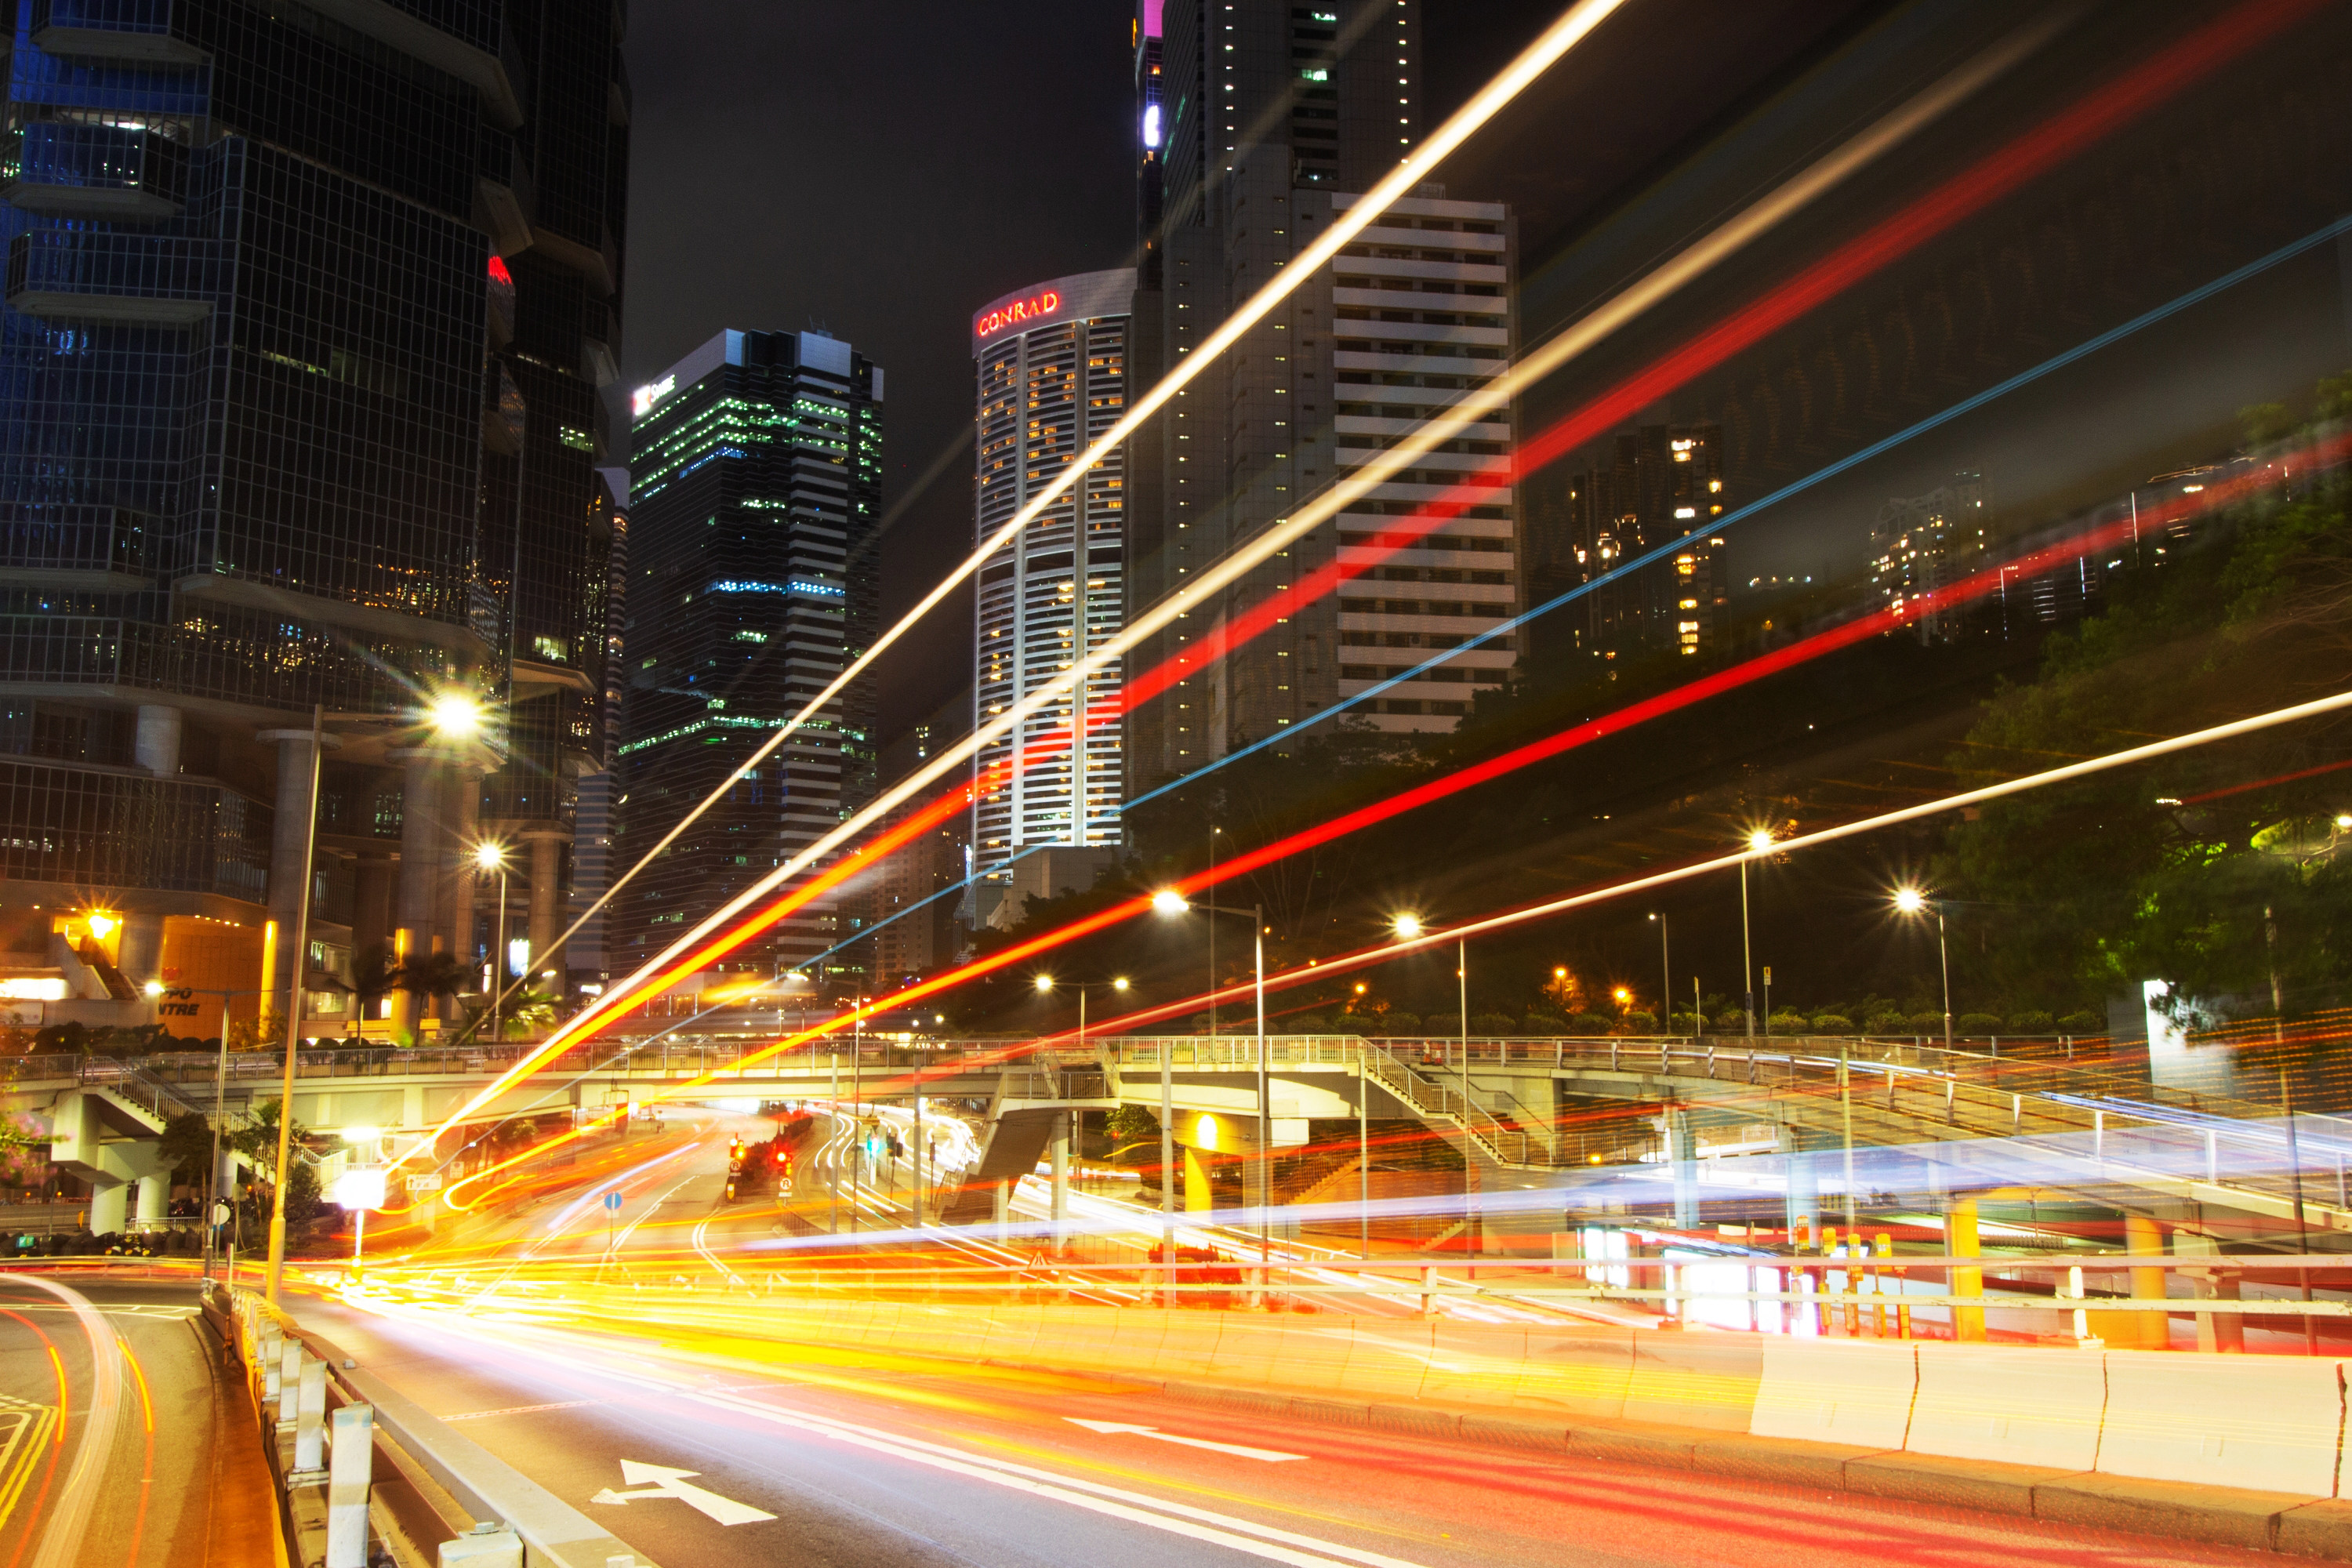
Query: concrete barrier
{"points": [[2265, 1423], [1857, 1392], [1387, 1360], [2016, 1405], [1707, 1381], [1474, 1363], [1577, 1373]]}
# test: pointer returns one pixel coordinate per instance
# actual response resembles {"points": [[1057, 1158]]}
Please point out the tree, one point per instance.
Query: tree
{"points": [[257, 1140], [1134, 1135], [187, 1143]]}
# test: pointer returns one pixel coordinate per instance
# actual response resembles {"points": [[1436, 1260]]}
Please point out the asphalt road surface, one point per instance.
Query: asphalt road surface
{"points": [[109, 1453], [731, 1452]]}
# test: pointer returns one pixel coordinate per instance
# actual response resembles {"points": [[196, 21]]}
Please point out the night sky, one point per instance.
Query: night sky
{"points": [[881, 168]]}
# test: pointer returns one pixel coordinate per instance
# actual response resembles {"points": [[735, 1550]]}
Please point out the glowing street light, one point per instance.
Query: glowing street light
{"points": [[491, 856], [1912, 902], [1407, 927], [1169, 901], [101, 925], [1666, 984], [1044, 982], [456, 715]]}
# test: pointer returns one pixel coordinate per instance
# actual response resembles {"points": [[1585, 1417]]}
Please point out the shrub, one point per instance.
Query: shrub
{"points": [[1641, 1021], [1590, 1024], [1686, 1024], [1542, 1024], [1889, 1024], [1924, 1023], [1731, 1021], [1787, 1020], [1493, 1024], [1444, 1024], [1977, 1023], [1832, 1023], [1307, 1024], [2031, 1022], [1399, 1024], [2082, 1023]]}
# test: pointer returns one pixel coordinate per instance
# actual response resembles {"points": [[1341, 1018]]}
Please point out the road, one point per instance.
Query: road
{"points": [[126, 1452], [698, 1450]]}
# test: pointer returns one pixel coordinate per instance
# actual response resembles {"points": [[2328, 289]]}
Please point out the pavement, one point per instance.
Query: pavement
{"points": [[699, 1450]]}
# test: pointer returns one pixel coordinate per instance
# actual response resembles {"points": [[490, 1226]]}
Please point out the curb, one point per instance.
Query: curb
{"points": [[2288, 1522]]}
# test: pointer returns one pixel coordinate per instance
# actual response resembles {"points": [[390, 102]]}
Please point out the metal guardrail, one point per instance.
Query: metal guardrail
{"points": [[293, 1370]]}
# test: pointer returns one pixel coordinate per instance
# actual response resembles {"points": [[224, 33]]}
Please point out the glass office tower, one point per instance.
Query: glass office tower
{"points": [[753, 501], [306, 311], [1051, 362]]}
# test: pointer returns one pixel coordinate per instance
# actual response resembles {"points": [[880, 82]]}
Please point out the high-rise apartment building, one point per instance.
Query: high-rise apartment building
{"points": [[1920, 543], [754, 496], [305, 314], [592, 832], [1273, 114], [1050, 369], [1655, 487]]}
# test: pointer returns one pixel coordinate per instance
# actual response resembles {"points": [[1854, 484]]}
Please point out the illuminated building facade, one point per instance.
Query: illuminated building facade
{"points": [[1660, 485], [1919, 544], [753, 501], [1050, 369], [305, 317]]}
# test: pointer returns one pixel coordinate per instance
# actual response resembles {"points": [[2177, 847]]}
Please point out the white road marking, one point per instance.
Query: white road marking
{"points": [[1271, 1455], [670, 1483], [521, 1410]]}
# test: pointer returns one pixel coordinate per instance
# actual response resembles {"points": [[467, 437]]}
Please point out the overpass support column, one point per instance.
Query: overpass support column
{"points": [[1061, 1157], [155, 1200], [1960, 1241], [289, 841], [1200, 1195], [108, 1203], [1683, 1162], [2221, 1333], [1804, 1186], [2143, 1237]]}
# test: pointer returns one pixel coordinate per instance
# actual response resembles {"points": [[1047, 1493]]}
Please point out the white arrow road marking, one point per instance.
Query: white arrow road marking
{"points": [[671, 1483], [1271, 1455]]}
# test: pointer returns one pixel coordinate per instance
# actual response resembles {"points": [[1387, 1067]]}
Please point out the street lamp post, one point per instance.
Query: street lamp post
{"points": [[1118, 983], [1408, 928], [1758, 842], [1912, 902], [1169, 903], [294, 1014], [220, 1105], [493, 857], [1667, 982]]}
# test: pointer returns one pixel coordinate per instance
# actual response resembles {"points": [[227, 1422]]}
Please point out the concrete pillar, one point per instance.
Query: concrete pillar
{"points": [[546, 905], [155, 1200], [289, 837], [2143, 1237], [1060, 1150], [347, 1481], [1682, 1159], [1002, 1194], [419, 846], [371, 885], [1803, 1208], [156, 747], [464, 810], [108, 1198], [1960, 1241], [1200, 1193], [139, 954]]}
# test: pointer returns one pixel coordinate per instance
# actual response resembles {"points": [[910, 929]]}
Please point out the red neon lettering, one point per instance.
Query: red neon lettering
{"points": [[1003, 316]]}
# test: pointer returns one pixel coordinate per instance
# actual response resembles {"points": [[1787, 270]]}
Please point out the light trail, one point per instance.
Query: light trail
{"points": [[1538, 57], [2023, 158], [2018, 160], [1989, 580]]}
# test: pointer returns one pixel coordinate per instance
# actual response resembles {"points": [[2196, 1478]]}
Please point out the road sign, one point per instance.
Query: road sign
{"points": [[221, 1213], [1270, 1455], [613, 1203], [430, 1182], [670, 1483]]}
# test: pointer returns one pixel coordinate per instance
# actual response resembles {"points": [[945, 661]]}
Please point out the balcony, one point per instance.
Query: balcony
{"points": [[111, 30], [69, 275], [90, 549], [112, 172]]}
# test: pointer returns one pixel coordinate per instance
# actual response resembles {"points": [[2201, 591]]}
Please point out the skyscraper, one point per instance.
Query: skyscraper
{"points": [[306, 311], [1920, 543], [1051, 377], [1273, 115], [1654, 486], [754, 497]]}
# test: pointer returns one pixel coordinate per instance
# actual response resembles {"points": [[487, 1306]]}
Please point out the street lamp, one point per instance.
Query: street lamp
{"points": [[1045, 983], [454, 715], [1666, 984], [492, 856], [1912, 902], [1759, 842], [1169, 901], [1411, 927]]}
